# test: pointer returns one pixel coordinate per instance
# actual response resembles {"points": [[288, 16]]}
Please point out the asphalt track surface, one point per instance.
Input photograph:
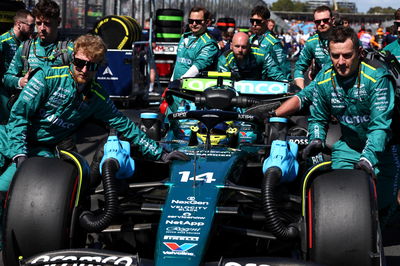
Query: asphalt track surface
{"points": [[91, 135]]}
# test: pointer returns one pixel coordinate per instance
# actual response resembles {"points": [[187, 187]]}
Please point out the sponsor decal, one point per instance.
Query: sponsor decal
{"points": [[165, 49], [183, 230], [232, 263], [111, 260], [175, 247], [188, 208], [173, 222], [182, 238], [201, 84], [246, 117], [179, 115], [108, 71], [55, 120], [206, 177], [210, 153], [261, 87], [186, 215], [354, 119], [190, 200], [110, 75], [298, 140]]}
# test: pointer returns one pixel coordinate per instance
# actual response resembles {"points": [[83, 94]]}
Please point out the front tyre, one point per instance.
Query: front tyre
{"points": [[343, 226], [39, 208]]}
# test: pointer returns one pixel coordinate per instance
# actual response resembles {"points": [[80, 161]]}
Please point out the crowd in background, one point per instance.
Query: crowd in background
{"points": [[371, 35]]}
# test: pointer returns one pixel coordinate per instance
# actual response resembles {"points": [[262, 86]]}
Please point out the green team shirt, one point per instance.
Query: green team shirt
{"points": [[200, 51], [394, 48], [314, 48], [50, 108], [273, 46], [257, 65], [8, 45], [362, 104], [40, 55]]}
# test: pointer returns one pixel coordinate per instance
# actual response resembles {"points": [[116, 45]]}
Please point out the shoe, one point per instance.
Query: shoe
{"points": [[153, 93]]}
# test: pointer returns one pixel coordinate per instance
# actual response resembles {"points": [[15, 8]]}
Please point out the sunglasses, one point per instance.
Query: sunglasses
{"points": [[325, 20], [257, 21], [30, 25], [80, 63], [198, 21]]}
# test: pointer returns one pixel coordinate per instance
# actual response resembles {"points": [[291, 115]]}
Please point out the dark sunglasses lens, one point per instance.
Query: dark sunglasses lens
{"points": [[198, 21], [79, 62], [257, 21], [318, 21], [82, 63]]}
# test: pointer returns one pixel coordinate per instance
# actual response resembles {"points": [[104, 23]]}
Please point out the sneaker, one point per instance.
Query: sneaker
{"points": [[153, 93]]}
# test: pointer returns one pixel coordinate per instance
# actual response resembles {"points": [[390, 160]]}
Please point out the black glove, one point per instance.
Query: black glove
{"points": [[365, 165], [174, 155], [313, 148], [19, 159], [271, 113]]}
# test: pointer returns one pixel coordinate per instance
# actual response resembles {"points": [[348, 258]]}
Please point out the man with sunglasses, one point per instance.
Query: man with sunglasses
{"points": [[248, 62], [197, 51], [316, 47], [265, 39], [44, 50], [24, 25], [360, 95], [56, 101]]}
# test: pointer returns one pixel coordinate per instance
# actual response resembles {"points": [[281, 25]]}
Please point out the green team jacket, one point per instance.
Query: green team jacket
{"points": [[200, 51], [8, 45], [394, 48], [273, 45], [40, 55], [364, 111], [50, 108], [257, 65], [316, 48]]}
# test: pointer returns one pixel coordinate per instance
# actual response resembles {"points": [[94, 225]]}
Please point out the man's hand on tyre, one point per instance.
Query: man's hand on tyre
{"points": [[19, 159], [365, 165]]}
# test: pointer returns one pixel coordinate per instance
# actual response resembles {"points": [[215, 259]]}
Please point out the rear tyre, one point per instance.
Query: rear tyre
{"points": [[39, 208], [343, 224]]}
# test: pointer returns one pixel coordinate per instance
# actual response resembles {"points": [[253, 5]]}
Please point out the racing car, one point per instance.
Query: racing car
{"points": [[245, 197]]}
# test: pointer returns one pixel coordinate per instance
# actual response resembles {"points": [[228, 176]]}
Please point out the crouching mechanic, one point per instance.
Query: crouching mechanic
{"points": [[56, 101], [249, 62], [361, 98]]}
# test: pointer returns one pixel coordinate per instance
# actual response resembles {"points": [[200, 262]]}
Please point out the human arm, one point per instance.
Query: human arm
{"points": [[302, 100], [319, 113], [106, 111], [28, 103], [381, 102], [14, 75], [206, 55], [302, 65]]}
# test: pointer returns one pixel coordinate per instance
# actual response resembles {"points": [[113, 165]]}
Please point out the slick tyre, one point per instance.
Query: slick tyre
{"points": [[39, 208], [169, 18], [342, 219]]}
